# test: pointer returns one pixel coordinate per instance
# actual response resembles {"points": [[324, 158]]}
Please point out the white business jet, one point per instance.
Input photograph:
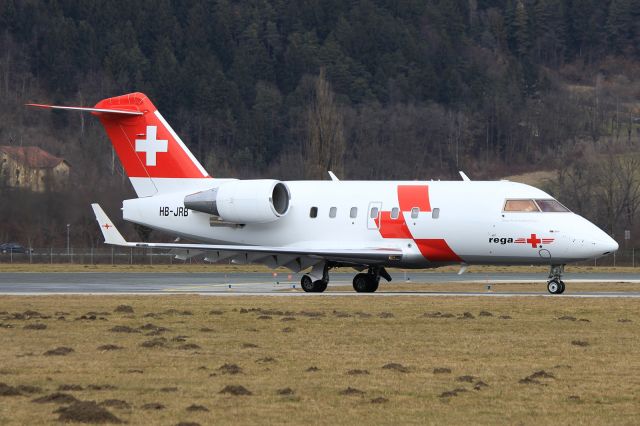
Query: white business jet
{"points": [[320, 225]]}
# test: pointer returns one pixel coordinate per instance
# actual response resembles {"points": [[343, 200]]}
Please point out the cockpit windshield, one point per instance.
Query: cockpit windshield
{"points": [[528, 206], [551, 206], [520, 206]]}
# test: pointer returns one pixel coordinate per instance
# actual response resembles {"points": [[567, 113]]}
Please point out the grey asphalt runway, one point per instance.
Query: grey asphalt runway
{"points": [[230, 284]]}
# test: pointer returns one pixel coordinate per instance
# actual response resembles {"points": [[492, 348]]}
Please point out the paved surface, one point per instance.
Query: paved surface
{"points": [[266, 284]]}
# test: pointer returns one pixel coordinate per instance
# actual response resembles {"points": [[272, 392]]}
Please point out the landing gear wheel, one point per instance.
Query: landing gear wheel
{"points": [[321, 285], [306, 283], [310, 286], [555, 286], [365, 283], [561, 287]]}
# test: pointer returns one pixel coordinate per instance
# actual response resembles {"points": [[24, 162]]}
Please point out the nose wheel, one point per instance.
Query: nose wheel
{"points": [[555, 285]]}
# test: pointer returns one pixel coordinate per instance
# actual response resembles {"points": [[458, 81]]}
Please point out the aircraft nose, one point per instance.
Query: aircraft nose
{"points": [[588, 241], [603, 243], [609, 245]]}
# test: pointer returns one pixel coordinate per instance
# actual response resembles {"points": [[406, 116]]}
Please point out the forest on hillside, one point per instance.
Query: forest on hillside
{"points": [[417, 89]]}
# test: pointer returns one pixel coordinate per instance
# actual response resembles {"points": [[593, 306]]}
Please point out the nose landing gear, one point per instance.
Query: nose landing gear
{"points": [[555, 285]]}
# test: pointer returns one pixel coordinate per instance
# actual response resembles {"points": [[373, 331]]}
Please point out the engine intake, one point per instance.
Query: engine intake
{"points": [[243, 201]]}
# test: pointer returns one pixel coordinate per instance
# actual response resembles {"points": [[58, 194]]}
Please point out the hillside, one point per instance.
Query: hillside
{"points": [[418, 89]]}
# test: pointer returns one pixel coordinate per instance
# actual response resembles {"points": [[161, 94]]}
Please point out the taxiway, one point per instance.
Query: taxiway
{"points": [[254, 284]]}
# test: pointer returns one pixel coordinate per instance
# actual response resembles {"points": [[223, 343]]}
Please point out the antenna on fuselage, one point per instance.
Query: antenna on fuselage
{"points": [[333, 176], [464, 177]]}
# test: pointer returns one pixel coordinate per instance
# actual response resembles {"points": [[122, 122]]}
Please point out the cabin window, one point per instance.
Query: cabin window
{"points": [[313, 213], [551, 206], [435, 213], [374, 212], [354, 212], [415, 212], [332, 212], [520, 206], [395, 212]]}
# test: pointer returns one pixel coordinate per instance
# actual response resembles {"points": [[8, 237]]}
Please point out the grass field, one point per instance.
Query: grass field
{"points": [[319, 360]]}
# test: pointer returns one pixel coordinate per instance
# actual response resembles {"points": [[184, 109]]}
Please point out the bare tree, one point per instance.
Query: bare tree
{"points": [[325, 143]]}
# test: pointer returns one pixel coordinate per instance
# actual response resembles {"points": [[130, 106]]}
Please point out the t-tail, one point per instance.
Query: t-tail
{"points": [[152, 154]]}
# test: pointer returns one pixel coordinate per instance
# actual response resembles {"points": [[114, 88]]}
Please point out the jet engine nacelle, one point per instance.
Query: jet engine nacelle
{"points": [[243, 201]]}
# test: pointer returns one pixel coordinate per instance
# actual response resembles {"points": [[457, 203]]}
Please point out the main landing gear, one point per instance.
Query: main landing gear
{"points": [[555, 285], [311, 286], [310, 282], [364, 282], [368, 282]]}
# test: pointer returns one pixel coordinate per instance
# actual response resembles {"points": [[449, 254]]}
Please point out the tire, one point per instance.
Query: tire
{"points": [[365, 283], [554, 286], [322, 285], [562, 287], [310, 286], [360, 283], [306, 283]]}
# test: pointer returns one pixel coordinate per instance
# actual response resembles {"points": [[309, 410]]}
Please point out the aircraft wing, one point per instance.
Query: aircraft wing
{"points": [[294, 258]]}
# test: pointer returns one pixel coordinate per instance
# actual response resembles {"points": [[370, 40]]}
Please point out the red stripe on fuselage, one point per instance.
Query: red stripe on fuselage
{"points": [[392, 228], [410, 196], [437, 250]]}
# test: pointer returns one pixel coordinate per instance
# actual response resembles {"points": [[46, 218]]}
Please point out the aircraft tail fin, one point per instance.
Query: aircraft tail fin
{"points": [[152, 154]]}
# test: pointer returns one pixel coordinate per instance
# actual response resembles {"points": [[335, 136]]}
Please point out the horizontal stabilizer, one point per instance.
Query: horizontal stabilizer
{"points": [[98, 110]]}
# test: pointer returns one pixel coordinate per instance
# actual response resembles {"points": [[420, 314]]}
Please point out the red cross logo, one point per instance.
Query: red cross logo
{"points": [[534, 241], [107, 226]]}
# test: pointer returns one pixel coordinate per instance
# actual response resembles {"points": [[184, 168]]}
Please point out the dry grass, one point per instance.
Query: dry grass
{"points": [[508, 371]]}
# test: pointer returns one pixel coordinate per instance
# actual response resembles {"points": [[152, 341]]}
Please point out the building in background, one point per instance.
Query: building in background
{"points": [[32, 168]]}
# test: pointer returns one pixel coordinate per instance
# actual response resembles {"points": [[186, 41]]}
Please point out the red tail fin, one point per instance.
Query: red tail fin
{"points": [[152, 154]]}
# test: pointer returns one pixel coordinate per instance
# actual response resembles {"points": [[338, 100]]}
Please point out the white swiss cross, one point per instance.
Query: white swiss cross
{"points": [[151, 146]]}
